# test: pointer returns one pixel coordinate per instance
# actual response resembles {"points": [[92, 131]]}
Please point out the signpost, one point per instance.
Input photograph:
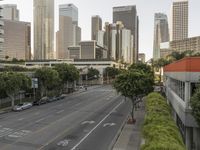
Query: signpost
{"points": [[34, 86]]}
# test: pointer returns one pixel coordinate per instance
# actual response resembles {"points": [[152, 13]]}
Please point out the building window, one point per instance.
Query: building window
{"points": [[178, 87]]}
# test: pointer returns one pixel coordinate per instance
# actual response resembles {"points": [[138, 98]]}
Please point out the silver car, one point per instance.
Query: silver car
{"points": [[22, 106]]}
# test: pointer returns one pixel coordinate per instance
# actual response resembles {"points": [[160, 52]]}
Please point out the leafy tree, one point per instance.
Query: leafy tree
{"points": [[92, 74], [14, 60], [48, 80], [12, 83], [133, 83], [159, 64], [6, 57], [142, 67], [67, 73], [175, 55], [111, 72], [195, 104]]}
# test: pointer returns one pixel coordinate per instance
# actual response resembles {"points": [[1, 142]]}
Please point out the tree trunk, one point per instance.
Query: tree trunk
{"points": [[12, 97], [133, 107], [160, 75]]}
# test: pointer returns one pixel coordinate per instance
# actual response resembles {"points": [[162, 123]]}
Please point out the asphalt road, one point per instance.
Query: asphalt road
{"points": [[85, 121]]}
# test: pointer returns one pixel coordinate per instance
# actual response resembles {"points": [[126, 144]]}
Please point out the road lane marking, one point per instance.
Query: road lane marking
{"points": [[39, 120], [59, 111], [96, 126], [88, 122], [19, 134], [5, 132], [109, 124], [63, 143], [20, 119]]}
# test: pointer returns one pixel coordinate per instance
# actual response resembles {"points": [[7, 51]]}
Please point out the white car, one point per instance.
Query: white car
{"points": [[22, 106]]}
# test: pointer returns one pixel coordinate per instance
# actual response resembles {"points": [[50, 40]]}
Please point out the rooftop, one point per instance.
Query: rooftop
{"points": [[188, 64]]}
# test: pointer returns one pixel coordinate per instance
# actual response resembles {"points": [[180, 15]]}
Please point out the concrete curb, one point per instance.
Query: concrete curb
{"points": [[5, 111], [118, 133]]}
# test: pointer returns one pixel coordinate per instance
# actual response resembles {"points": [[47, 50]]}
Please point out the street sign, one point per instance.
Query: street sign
{"points": [[34, 83]]}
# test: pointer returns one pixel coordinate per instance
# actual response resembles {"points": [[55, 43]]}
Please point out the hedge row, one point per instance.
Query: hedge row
{"points": [[160, 131]]}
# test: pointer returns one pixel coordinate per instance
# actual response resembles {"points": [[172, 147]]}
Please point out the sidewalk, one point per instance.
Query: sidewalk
{"points": [[5, 110], [131, 136]]}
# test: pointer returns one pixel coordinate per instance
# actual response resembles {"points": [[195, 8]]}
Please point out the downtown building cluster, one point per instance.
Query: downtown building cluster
{"points": [[174, 36], [116, 41]]}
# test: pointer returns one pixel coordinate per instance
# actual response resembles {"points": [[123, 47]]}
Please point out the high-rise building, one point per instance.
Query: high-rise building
{"points": [[96, 23], [119, 42], [69, 10], [17, 40], [188, 44], [10, 12], [161, 33], [43, 29], [179, 22], [69, 33], [128, 16], [1, 34]]}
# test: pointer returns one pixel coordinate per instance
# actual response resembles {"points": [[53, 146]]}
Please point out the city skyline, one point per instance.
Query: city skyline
{"points": [[146, 17]]}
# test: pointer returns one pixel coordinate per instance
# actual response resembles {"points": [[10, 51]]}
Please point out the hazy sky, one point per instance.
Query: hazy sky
{"points": [[145, 8]]}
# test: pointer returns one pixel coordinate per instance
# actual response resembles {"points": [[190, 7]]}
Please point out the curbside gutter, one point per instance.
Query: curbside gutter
{"points": [[112, 144]]}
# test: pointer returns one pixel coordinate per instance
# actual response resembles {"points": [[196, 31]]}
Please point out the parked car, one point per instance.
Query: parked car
{"points": [[62, 96], [52, 99], [43, 100], [22, 106]]}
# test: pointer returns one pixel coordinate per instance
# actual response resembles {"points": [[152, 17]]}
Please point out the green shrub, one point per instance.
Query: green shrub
{"points": [[160, 131]]}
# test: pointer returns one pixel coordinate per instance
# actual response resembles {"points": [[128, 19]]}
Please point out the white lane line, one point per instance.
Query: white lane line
{"points": [[59, 111], [109, 124], [5, 132], [96, 126], [20, 119], [87, 122], [39, 120]]}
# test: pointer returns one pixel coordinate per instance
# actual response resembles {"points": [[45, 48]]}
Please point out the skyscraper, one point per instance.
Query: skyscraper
{"points": [[17, 40], [10, 12], [69, 33], [1, 34], [179, 23], [43, 29], [161, 33], [128, 16], [96, 24], [69, 10]]}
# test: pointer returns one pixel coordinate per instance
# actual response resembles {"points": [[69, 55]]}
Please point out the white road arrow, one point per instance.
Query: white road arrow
{"points": [[88, 122], [109, 124], [63, 143]]}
